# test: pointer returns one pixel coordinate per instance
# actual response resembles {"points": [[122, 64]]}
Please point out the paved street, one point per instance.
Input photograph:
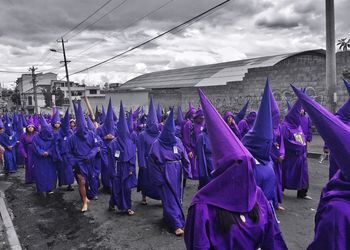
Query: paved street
{"points": [[56, 223]]}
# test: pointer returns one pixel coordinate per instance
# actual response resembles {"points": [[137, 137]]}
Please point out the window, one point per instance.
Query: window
{"points": [[93, 91], [30, 100]]}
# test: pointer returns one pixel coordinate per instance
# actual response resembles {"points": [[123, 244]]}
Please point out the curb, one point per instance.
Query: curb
{"points": [[11, 234]]}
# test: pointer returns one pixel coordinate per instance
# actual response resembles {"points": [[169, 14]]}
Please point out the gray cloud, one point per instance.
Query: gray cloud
{"points": [[277, 22]]}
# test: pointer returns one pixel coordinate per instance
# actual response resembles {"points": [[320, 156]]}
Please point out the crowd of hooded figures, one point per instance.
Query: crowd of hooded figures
{"points": [[242, 162]]}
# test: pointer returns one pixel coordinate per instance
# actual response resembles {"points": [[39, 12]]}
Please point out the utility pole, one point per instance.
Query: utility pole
{"points": [[32, 69], [67, 75], [330, 56]]}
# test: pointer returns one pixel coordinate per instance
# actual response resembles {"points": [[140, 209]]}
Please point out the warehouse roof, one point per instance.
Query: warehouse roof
{"points": [[207, 75]]}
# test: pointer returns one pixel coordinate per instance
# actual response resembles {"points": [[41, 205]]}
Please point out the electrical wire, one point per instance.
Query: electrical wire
{"points": [[172, 30], [124, 28], [87, 18], [99, 19]]}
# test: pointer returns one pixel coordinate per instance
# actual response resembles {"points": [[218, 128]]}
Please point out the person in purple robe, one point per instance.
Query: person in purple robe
{"points": [[168, 165], [305, 124], [241, 114], [61, 153], [295, 174], [123, 151], [101, 156], [27, 151], [145, 141], [133, 133], [230, 120], [277, 149], [204, 158], [332, 220], [45, 169], [72, 124], [18, 127], [247, 123], [230, 212], [8, 141], [189, 140], [107, 132], [342, 114], [258, 141], [84, 148]]}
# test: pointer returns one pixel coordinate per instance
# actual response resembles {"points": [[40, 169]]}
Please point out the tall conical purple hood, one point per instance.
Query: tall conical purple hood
{"points": [[226, 147], [190, 111], [103, 114], [56, 117], [109, 124], [159, 113], [241, 114], [123, 129], [258, 140], [136, 113], [179, 118], [81, 127], [233, 187], [347, 85], [65, 123], [90, 124], [31, 122], [167, 136], [293, 115], [333, 131], [152, 120], [45, 129], [152, 116], [343, 112]]}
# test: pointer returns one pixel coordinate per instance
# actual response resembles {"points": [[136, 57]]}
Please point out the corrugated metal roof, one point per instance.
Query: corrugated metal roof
{"points": [[206, 75]]}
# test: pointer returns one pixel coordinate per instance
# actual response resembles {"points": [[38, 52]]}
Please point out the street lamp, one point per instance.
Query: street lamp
{"points": [[67, 75]]}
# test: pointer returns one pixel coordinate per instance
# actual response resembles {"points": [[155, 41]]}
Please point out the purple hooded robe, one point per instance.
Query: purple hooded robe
{"points": [[232, 126], [123, 150], [247, 123], [204, 158], [168, 165], [27, 152], [332, 220], [84, 148], [294, 166], [145, 141], [62, 154], [232, 191], [8, 139], [258, 141], [45, 170], [108, 127]]}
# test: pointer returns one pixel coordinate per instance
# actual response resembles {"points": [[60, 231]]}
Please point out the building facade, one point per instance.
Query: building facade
{"points": [[230, 84]]}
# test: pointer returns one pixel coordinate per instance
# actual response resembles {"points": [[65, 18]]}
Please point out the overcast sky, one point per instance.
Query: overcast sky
{"points": [[240, 29]]}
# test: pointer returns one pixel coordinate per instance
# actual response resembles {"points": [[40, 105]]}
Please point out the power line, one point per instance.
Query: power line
{"points": [[190, 21], [99, 19], [87, 18], [127, 26]]}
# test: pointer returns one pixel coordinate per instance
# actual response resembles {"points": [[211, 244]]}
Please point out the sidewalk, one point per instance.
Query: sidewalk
{"points": [[8, 237]]}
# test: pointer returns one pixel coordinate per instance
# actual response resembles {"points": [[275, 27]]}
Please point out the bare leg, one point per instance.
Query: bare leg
{"points": [[82, 192]]}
